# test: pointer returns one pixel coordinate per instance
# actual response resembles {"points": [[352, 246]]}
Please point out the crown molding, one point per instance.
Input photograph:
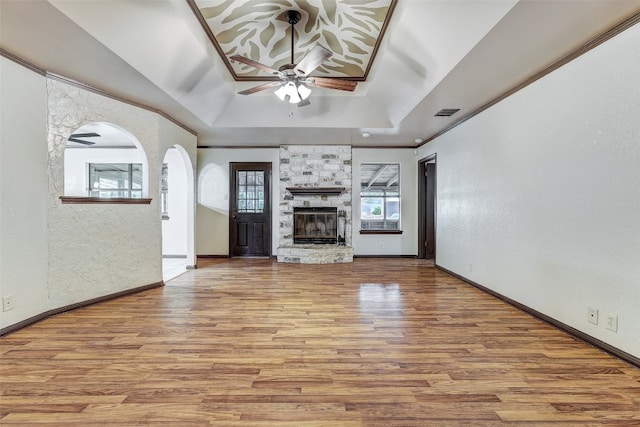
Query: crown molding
{"points": [[53, 76], [595, 42]]}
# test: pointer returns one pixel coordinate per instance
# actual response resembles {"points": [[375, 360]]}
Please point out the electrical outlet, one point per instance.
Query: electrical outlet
{"points": [[8, 303], [381, 245], [470, 268], [611, 323], [592, 315]]}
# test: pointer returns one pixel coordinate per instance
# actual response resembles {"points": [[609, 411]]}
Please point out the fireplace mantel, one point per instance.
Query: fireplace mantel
{"points": [[315, 191]]}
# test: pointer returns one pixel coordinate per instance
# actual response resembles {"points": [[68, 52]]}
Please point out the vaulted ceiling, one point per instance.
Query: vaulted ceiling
{"points": [[412, 58]]}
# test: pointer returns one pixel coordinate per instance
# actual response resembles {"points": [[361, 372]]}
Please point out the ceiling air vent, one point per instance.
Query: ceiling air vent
{"points": [[447, 112]]}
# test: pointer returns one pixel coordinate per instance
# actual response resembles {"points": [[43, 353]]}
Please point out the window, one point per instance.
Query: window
{"points": [[164, 191], [109, 180], [250, 197], [380, 196]]}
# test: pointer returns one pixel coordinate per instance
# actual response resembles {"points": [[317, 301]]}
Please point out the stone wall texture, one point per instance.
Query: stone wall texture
{"points": [[101, 249], [305, 166]]}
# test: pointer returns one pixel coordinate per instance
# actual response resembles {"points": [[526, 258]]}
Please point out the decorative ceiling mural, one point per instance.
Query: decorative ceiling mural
{"points": [[258, 29]]}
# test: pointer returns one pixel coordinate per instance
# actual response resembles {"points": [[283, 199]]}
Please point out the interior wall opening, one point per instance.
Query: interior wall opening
{"points": [[104, 160], [174, 191]]}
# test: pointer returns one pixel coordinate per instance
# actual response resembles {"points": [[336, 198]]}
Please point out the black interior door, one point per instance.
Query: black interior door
{"points": [[427, 208], [250, 210], [430, 211]]}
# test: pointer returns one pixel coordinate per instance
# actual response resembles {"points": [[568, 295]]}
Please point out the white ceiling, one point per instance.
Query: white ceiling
{"points": [[106, 136], [434, 55]]}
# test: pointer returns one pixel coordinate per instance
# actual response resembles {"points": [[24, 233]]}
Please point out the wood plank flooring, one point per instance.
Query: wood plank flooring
{"points": [[380, 342]]}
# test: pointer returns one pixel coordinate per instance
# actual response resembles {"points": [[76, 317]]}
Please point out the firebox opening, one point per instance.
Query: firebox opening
{"points": [[317, 225]]}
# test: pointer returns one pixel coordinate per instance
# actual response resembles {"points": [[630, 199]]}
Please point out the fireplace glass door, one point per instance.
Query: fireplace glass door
{"points": [[315, 225]]}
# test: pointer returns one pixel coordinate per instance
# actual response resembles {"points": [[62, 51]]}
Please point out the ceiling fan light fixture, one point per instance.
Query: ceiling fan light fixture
{"points": [[304, 91], [293, 92]]}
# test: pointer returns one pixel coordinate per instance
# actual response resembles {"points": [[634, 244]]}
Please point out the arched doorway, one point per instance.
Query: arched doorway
{"points": [[177, 210]]}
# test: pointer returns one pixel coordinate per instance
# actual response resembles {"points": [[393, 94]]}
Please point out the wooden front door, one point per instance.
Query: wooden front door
{"points": [[250, 210]]}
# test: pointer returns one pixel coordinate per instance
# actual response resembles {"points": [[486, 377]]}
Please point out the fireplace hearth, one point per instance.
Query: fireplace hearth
{"points": [[315, 225]]}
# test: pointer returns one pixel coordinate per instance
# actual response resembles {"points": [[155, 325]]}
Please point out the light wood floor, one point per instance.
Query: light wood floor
{"points": [[380, 342]]}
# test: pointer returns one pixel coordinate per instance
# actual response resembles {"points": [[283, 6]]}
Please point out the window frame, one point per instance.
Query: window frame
{"points": [[164, 191], [389, 225], [250, 192], [128, 191]]}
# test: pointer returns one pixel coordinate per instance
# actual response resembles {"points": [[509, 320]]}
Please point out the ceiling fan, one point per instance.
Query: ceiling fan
{"points": [[295, 83], [75, 137]]}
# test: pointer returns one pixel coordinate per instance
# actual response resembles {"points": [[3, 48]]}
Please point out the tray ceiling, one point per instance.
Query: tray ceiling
{"points": [[258, 29], [435, 54]]}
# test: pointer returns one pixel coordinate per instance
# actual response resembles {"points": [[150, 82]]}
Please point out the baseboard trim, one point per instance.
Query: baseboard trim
{"points": [[37, 318], [174, 256], [601, 345], [386, 256], [212, 256]]}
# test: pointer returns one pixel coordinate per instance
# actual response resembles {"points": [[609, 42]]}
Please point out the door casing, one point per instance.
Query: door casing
{"points": [[252, 223], [427, 212]]}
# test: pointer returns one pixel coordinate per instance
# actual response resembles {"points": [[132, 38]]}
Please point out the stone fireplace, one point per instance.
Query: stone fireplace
{"points": [[314, 179]]}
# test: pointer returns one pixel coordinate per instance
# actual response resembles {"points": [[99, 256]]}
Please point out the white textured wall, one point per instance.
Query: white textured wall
{"points": [[23, 192], [212, 214], [53, 254], [394, 244], [185, 143], [539, 196], [99, 249]]}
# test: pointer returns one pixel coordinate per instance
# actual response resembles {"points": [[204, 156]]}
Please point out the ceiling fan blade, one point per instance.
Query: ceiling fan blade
{"points": [[313, 59], [254, 64], [83, 135], [75, 137], [347, 85], [80, 141], [259, 88]]}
